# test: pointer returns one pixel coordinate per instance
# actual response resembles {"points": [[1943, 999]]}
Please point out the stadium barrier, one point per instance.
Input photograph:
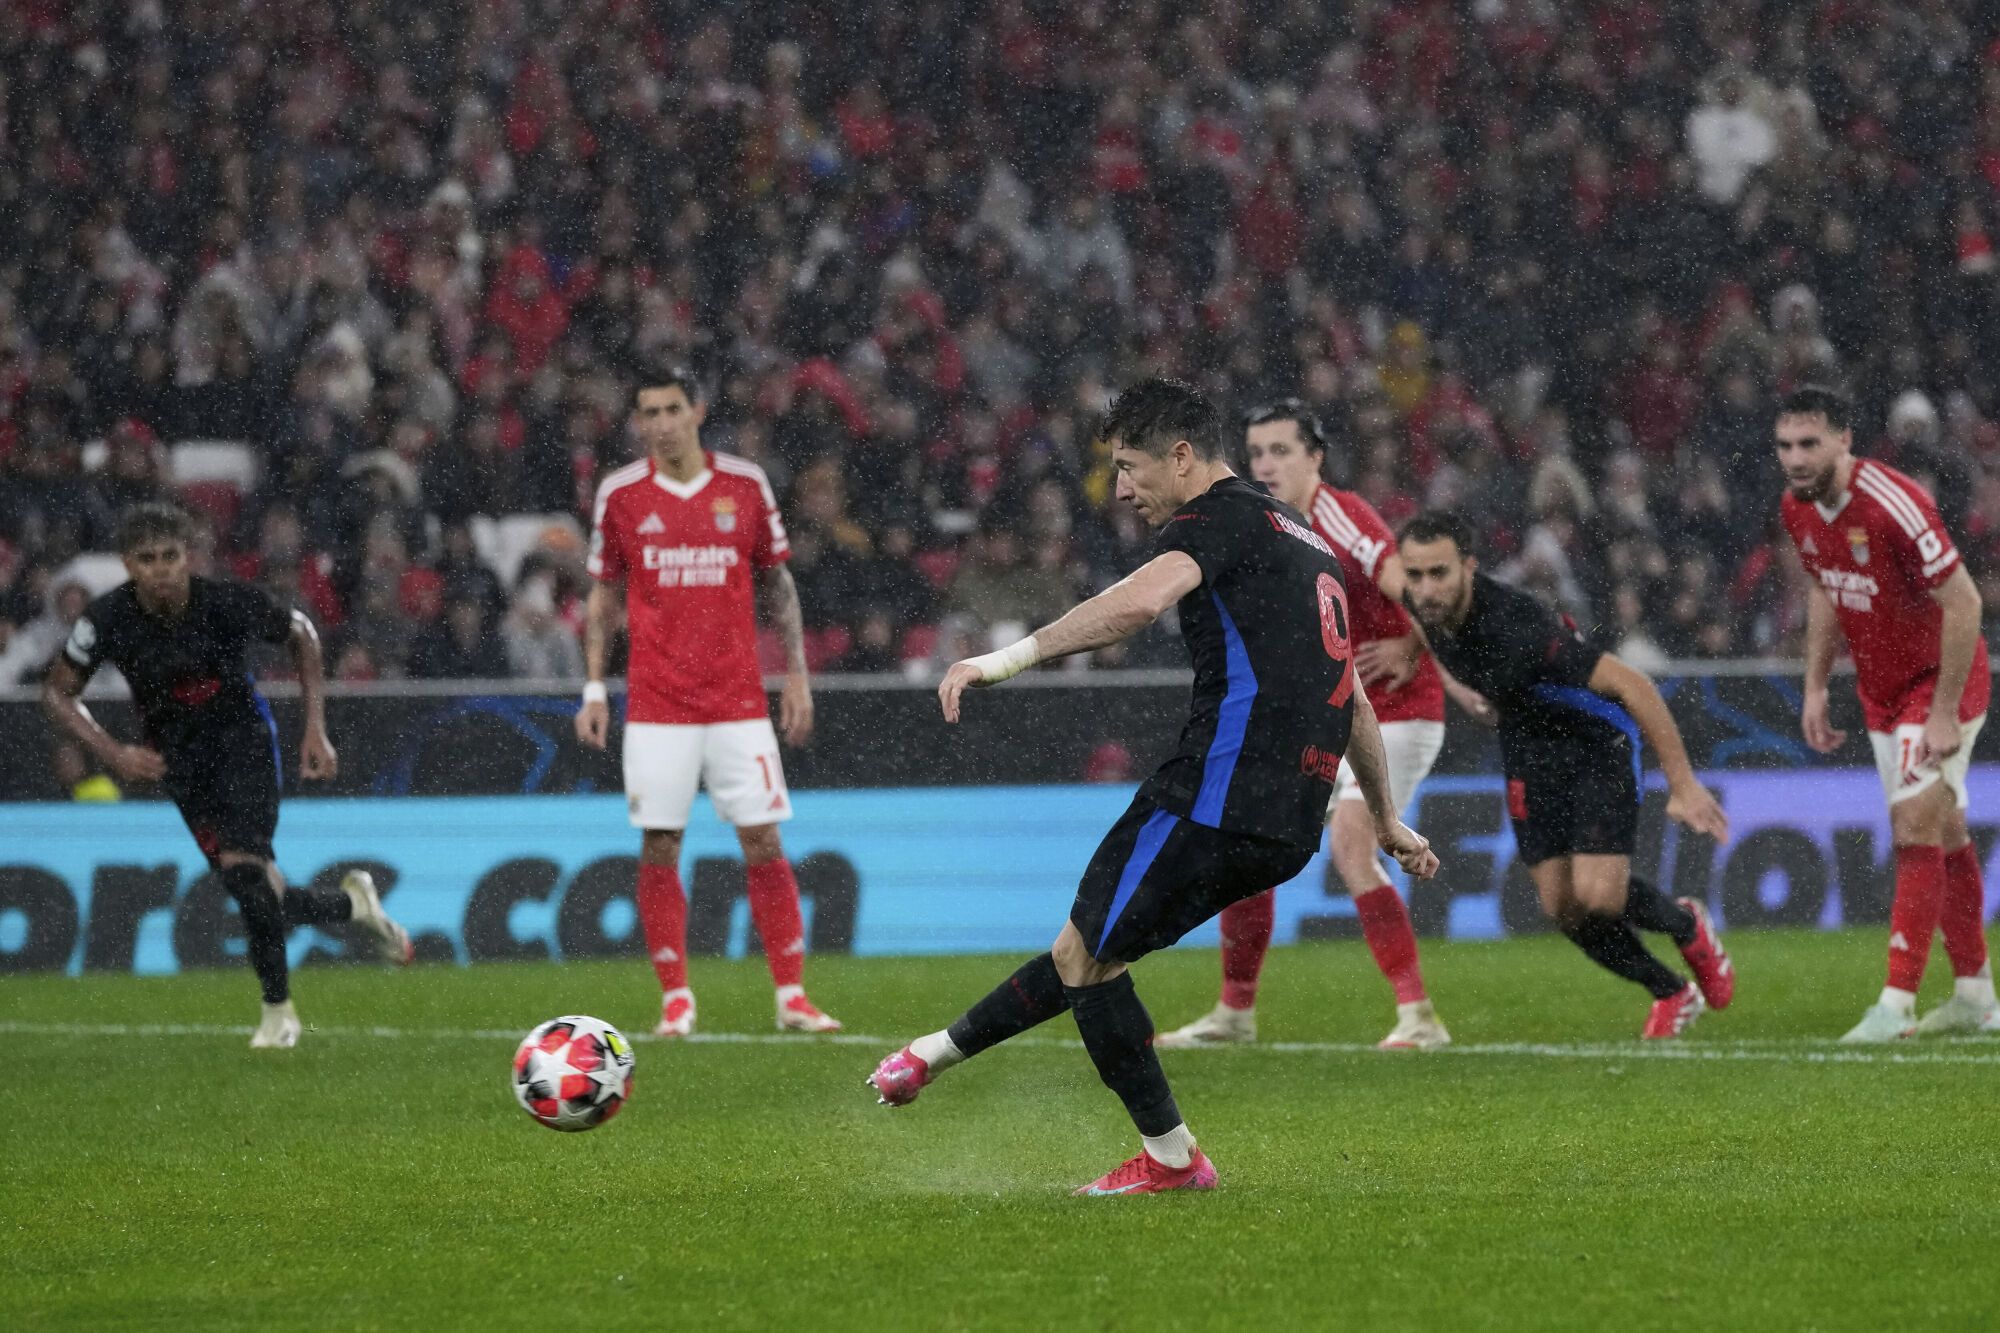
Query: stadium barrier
{"points": [[515, 738], [121, 888]]}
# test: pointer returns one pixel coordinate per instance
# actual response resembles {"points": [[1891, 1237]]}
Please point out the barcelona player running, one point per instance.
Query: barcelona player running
{"points": [[1571, 719], [1886, 576], [1239, 806], [180, 641], [692, 542]]}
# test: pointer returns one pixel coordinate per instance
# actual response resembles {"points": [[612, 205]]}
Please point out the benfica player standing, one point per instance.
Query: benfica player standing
{"points": [[1287, 448], [693, 543], [1885, 572]]}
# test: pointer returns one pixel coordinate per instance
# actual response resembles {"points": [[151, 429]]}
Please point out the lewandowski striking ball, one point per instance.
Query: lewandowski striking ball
{"points": [[573, 1073]]}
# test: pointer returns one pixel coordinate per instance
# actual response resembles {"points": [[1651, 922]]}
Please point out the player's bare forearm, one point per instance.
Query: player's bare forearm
{"points": [[1121, 610], [1366, 757], [1822, 638], [1110, 617], [62, 702], [598, 613], [778, 595], [1958, 638], [1641, 698], [311, 660]]}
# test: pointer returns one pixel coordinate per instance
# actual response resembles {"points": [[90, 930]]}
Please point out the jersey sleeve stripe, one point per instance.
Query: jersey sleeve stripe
{"points": [[1330, 516], [594, 563], [1897, 491], [1892, 498]]}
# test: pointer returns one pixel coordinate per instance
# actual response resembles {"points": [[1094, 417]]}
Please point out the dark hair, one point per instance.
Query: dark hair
{"points": [[152, 522], [669, 377], [1436, 525], [1294, 411], [1152, 415], [1819, 400]]}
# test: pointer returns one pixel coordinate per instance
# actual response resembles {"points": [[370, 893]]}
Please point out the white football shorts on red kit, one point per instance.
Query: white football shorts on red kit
{"points": [[1410, 749], [736, 761]]}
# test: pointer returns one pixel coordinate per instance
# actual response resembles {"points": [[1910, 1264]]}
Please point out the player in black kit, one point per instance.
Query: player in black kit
{"points": [[179, 640], [1571, 717], [1240, 805]]}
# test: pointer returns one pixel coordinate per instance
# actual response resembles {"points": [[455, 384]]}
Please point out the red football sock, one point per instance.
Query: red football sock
{"points": [[1963, 915], [774, 906], [1913, 918], [1385, 923], [1246, 937], [663, 915]]}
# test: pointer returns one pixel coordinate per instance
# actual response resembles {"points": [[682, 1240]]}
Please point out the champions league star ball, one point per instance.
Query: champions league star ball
{"points": [[573, 1073]]}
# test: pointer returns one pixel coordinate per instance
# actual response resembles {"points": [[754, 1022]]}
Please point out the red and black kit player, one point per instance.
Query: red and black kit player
{"points": [[1237, 808], [1571, 719], [1885, 574], [180, 640], [692, 543], [1287, 447]]}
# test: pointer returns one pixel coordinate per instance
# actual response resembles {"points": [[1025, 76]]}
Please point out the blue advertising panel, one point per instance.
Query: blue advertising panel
{"points": [[884, 871]]}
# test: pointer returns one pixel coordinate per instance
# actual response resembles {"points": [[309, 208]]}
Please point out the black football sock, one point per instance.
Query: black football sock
{"points": [[1118, 1033], [1033, 995], [1649, 909], [263, 927], [317, 907], [1611, 944]]}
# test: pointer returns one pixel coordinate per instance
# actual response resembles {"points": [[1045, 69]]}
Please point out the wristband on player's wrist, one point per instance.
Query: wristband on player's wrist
{"points": [[595, 693], [1006, 663]]}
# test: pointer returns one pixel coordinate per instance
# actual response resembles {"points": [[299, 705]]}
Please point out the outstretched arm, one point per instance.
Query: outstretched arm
{"points": [[1688, 802], [1117, 613], [778, 595]]}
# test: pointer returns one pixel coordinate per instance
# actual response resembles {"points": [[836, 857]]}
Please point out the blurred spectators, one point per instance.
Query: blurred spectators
{"points": [[540, 647], [1551, 264]]}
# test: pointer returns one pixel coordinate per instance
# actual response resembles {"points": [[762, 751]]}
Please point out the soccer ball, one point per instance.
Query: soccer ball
{"points": [[573, 1073]]}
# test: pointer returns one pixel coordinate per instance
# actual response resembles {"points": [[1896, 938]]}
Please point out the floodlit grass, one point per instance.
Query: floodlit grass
{"points": [[1549, 1172]]}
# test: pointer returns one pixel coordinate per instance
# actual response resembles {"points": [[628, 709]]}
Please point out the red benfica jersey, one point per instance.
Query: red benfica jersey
{"points": [[1360, 538], [1877, 554], [686, 552]]}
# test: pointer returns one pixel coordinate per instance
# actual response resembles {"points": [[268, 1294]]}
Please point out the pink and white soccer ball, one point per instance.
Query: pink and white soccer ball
{"points": [[573, 1073]]}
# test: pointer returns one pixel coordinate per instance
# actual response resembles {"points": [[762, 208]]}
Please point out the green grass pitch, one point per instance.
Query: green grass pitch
{"points": [[1549, 1172]]}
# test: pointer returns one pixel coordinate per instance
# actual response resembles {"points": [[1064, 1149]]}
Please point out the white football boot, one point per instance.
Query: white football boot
{"points": [[1220, 1026], [1959, 1014], [798, 1014], [280, 1029], [1881, 1024], [1417, 1029], [676, 1014], [390, 940]]}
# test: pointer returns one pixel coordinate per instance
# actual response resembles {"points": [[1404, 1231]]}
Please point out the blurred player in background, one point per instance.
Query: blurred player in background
{"points": [[1287, 451], [1571, 719], [1886, 575], [180, 640], [1238, 807], [693, 544]]}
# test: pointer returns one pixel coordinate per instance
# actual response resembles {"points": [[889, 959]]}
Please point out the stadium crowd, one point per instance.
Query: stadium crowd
{"points": [[1548, 263]]}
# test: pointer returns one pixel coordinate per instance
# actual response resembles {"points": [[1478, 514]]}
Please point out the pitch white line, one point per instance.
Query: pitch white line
{"points": [[1974, 1051]]}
